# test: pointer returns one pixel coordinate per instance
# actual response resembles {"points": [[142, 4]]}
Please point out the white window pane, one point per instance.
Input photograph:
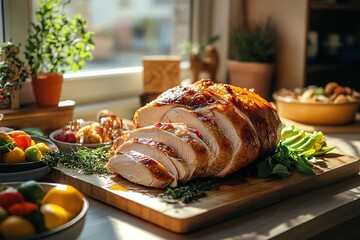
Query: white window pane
{"points": [[126, 30]]}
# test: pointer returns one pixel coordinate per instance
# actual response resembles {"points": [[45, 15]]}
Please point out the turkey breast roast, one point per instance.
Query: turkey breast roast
{"points": [[200, 130]]}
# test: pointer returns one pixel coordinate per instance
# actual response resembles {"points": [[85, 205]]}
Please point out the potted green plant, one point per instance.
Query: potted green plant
{"points": [[56, 43], [252, 55], [12, 73]]}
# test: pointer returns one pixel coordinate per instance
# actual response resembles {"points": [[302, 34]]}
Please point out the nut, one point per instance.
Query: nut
{"points": [[329, 88], [104, 113], [341, 99]]}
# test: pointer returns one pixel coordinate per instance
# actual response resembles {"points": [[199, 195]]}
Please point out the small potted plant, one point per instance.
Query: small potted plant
{"points": [[12, 73], [252, 55], [56, 43]]}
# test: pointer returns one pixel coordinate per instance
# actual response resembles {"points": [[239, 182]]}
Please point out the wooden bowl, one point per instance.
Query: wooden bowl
{"points": [[316, 113]]}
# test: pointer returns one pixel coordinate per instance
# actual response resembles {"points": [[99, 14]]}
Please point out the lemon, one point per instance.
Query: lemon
{"points": [[54, 215], [65, 196], [16, 155], [16, 227], [43, 147]]}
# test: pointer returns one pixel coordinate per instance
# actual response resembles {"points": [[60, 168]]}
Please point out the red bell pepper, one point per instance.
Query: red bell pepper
{"points": [[8, 198], [22, 208], [21, 138]]}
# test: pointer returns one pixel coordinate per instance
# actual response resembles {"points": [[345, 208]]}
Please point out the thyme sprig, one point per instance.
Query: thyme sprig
{"points": [[187, 193], [86, 160]]}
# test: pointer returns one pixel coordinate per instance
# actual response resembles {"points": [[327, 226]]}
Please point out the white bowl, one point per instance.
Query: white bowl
{"points": [[69, 230], [65, 146]]}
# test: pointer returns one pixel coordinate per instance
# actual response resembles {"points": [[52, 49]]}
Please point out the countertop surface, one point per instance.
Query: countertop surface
{"points": [[325, 213]]}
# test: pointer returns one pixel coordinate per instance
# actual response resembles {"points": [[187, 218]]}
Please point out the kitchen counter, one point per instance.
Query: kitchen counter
{"points": [[326, 213]]}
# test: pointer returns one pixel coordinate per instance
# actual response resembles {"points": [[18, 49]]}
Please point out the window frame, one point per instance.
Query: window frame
{"points": [[123, 82], [2, 25]]}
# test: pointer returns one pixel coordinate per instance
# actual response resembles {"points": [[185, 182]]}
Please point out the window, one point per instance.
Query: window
{"points": [[126, 30], [138, 27]]}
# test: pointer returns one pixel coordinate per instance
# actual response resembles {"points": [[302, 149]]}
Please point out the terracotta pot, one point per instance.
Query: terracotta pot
{"points": [[251, 75], [47, 88]]}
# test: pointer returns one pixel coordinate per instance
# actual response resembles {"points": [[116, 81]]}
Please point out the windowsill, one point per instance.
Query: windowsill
{"points": [[102, 72], [119, 72], [45, 118], [91, 90]]}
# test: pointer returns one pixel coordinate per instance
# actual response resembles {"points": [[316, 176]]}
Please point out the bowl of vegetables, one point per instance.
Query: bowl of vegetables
{"points": [[91, 134], [329, 106], [66, 141], [38, 210], [21, 156]]}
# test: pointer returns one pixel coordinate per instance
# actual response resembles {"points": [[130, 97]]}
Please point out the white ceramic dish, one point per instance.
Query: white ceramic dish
{"points": [[65, 146], [70, 230]]}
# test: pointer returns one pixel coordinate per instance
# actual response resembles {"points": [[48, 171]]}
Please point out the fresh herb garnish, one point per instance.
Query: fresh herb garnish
{"points": [[283, 162], [297, 150], [86, 160], [190, 192]]}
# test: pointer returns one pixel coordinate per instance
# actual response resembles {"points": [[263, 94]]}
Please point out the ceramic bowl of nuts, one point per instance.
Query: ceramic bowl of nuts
{"points": [[330, 105]]}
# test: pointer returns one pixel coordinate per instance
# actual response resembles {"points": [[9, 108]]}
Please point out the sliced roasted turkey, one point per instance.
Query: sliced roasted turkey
{"points": [[214, 129], [186, 142], [141, 169], [260, 113], [159, 151], [229, 134]]}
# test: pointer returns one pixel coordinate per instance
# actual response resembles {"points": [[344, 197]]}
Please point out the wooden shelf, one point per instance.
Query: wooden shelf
{"points": [[294, 19], [46, 119], [334, 6]]}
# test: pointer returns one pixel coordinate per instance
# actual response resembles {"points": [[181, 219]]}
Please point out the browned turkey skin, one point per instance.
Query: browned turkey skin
{"points": [[260, 112], [214, 129]]}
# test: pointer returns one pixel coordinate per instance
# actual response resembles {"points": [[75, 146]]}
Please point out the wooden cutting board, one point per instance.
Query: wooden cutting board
{"points": [[235, 195]]}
